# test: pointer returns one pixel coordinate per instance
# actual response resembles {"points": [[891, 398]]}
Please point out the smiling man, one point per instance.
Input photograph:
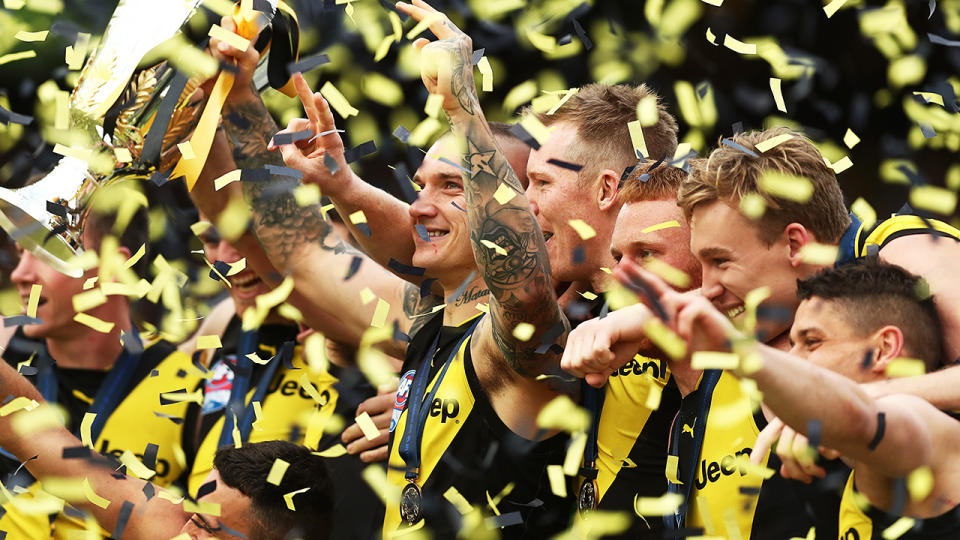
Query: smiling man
{"points": [[89, 371], [241, 497], [484, 391]]}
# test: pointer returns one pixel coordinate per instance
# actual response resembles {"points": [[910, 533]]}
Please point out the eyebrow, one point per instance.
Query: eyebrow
{"points": [[709, 252], [442, 176]]}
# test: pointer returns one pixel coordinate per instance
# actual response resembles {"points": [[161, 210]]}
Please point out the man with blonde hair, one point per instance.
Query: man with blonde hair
{"points": [[740, 253]]}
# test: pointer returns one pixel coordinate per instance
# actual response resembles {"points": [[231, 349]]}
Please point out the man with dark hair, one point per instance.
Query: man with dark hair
{"points": [[851, 327], [747, 236], [84, 353], [244, 495]]}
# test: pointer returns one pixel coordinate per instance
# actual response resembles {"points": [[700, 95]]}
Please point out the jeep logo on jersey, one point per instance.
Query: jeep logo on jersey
{"points": [[162, 466], [851, 534], [634, 367], [710, 471], [444, 408], [403, 392]]}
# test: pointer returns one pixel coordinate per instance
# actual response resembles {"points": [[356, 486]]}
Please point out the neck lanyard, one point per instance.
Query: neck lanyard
{"points": [[237, 406], [419, 407], [705, 389], [589, 496], [112, 390]]}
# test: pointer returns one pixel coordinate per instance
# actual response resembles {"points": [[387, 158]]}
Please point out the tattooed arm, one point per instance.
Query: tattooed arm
{"points": [[507, 242], [327, 273]]}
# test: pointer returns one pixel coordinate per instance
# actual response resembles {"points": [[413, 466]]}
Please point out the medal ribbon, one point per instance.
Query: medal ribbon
{"points": [[237, 407], [689, 453], [111, 392], [593, 400], [419, 407]]}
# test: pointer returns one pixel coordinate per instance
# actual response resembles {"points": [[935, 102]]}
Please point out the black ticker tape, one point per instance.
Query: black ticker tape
{"points": [[881, 429], [360, 151], [306, 64]]}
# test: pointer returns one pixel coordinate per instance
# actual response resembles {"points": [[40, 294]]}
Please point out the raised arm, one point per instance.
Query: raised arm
{"points": [[327, 273], [383, 240], [153, 518], [507, 241]]}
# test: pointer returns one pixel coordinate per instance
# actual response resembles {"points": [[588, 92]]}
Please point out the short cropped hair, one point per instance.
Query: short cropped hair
{"points": [[730, 174], [651, 184], [246, 468], [601, 113], [875, 294], [134, 236]]}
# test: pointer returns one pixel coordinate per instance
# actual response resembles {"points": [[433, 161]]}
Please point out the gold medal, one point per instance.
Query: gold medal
{"points": [[411, 504], [587, 500]]}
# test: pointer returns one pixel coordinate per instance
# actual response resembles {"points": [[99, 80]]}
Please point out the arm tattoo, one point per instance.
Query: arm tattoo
{"points": [[280, 223], [416, 308], [518, 274], [249, 128]]}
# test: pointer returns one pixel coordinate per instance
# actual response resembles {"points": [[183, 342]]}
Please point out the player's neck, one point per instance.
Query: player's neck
{"points": [[90, 349], [464, 306]]}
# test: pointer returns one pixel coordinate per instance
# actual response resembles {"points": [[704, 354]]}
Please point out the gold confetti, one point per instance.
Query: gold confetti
{"points": [[775, 87], [34, 300], [486, 74], [772, 142], [786, 186], [716, 3], [123, 155], [209, 342], [288, 498], [657, 506], [661, 226], [558, 484], [457, 499], [665, 338], [277, 470], [336, 450], [135, 467], [232, 176], [920, 483], [589, 295], [99, 325], [850, 138], [366, 425], [862, 209], [337, 100], [674, 276], [92, 495], [905, 367], [898, 529], [738, 46], [232, 39], [18, 404], [523, 331], [535, 128], [584, 230], [504, 193], [520, 94], [563, 413], [841, 164], [29, 37], [833, 6], [379, 319], [186, 150], [89, 300], [933, 198], [820, 254], [12, 57], [496, 248], [714, 360], [673, 466], [636, 138]]}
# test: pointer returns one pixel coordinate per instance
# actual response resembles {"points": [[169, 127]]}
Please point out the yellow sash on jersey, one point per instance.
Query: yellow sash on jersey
{"points": [[132, 426], [625, 413], [854, 523], [716, 501], [897, 226], [438, 431], [285, 405]]}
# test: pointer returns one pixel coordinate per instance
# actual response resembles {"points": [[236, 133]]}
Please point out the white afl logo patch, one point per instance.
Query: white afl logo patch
{"points": [[403, 392]]}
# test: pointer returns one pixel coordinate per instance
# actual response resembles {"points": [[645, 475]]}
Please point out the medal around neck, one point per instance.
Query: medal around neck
{"points": [[587, 499], [411, 504]]}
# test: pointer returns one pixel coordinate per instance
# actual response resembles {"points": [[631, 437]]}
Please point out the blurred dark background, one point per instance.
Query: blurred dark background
{"points": [[857, 70]]}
